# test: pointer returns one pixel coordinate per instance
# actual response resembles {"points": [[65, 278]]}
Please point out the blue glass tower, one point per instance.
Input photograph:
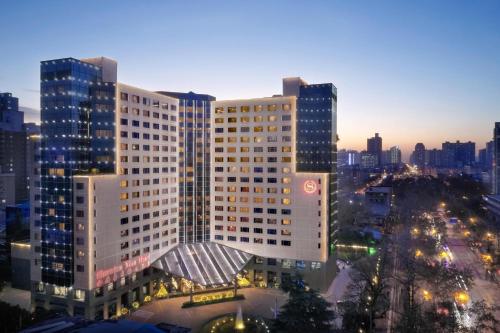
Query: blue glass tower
{"points": [[77, 137], [194, 166]]}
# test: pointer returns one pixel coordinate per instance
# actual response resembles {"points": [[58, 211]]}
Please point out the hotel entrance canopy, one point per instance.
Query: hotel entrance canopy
{"points": [[206, 264]]}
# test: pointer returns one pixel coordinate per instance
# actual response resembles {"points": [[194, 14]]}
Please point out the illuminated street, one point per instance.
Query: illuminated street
{"points": [[464, 257]]}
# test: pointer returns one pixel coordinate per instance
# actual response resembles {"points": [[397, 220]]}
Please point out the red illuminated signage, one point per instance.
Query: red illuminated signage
{"points": [[310, 186], [105, 276]]}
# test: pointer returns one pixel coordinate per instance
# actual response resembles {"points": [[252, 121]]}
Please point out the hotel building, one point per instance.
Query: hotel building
{"points": [[274, 185], [109, 189]]}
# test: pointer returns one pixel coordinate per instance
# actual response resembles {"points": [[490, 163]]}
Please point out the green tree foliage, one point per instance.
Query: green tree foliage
{"points": [[305, 310]]}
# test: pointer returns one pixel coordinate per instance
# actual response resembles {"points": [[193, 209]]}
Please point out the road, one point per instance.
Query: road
{"points": [[464, 257]]}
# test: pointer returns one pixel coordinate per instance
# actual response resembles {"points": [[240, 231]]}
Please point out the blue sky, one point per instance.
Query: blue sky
{"points": [[412, 70]]}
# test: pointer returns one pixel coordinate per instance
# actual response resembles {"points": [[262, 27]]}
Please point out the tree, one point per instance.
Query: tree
{"points": [[305, 310], [484, 318]]}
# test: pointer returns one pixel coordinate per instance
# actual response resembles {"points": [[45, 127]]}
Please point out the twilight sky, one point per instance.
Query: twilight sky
{"points": [[413, 71]]}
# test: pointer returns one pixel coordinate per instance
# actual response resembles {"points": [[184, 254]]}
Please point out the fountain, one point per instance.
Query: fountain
{"points": [[239, 324], [236, 323]]}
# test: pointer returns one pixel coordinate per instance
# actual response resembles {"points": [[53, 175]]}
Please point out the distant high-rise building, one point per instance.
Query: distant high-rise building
{"points": [[368, 160], [433, 158], [496, 159], [194, 165], [347, 157], [374, 147], [394, 155], [12, 152], [458, 154], [419, 155], [11, 119]]}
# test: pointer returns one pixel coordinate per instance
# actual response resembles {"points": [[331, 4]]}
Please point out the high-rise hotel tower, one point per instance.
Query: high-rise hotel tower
{"points": [[109, 188], [274, 181]]}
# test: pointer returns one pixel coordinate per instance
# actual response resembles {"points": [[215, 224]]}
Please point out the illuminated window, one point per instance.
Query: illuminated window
{"points": [[286, 222], [219, 110], [258, 159], [272, 128], [286, 190], [232, 139], [271, 200], [123, 208], [272, 107], [286, 159], [258, 119], [56, 172], [286, 107], [272, 118], [244, 139], [219, 120], [285, 201], [258, 129], [245, 119], [231, 109], [286, 180], [244, 149], [232, 120], [258, 200], [244, 108], [286, 149], [244, 210], [231, 149], [219, 140], [124, 196], [244, 159], [257, 108], [231, 198]]}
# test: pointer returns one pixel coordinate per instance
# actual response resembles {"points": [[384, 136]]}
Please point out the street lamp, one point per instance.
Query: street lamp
{"points": [[461, 297], [427, 295]]}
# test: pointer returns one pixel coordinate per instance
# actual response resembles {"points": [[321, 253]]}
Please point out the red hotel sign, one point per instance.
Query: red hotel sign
{"points": [[105, 276]]}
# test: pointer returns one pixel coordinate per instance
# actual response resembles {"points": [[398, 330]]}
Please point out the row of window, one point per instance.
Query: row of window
{"points": [[246, 169], [255, 240], [245, 149], [147, 101], [147, 124], [256, 119], [256, 129], [146, 113], [256, 139], [256, 159], [256, 108], [232, 228], [145, 147]]}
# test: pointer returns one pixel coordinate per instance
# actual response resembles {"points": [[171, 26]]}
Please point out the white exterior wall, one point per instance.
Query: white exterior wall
{"points": [[307, 231], [107, 199]]}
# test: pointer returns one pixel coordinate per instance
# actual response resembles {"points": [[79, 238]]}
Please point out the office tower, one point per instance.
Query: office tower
{"points": [[274, 179], [374, 147], [194, 166], [11, 119], [419, 155], [496, 159], [394, 155], [368, 160], [433, 158], [12, 152], [458, 154], [109, 178]]}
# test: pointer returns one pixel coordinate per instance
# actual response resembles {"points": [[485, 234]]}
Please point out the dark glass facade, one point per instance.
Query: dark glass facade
{"points": [[316, 146], [194, 166], [78, 137]]}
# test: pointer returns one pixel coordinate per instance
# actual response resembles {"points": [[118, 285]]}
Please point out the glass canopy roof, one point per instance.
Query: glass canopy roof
{"points": [[206, 264]]}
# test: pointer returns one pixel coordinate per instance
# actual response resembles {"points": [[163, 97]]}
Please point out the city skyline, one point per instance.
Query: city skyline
{"points": [[444, 70]]}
